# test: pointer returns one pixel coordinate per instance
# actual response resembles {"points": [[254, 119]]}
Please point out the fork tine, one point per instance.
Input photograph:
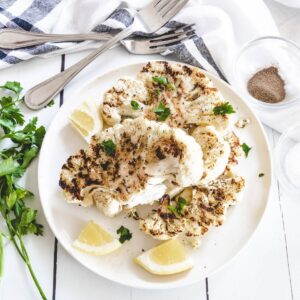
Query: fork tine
{"points": [[175, 9], [160, 4], [157, 50], [173, 40], [155, 2], [167, 7], [187, 26], [171, 35], [182, 27]]}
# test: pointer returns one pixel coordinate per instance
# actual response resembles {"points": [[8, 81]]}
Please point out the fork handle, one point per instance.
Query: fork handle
{"points": [[15, 39], [41, 94]]}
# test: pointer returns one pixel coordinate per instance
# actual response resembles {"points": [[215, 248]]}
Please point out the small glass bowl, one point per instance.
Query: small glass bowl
{"points": [[284, 147], [265, 52]]}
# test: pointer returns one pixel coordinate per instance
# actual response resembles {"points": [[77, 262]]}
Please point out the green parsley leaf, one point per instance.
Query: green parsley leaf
{"points": [[162, 112], [8, 166], [134, 105], [179, 208], [13, 86], [261, 175], [27, 223], [8, 124], [29, 155], [181, 204], [11, 199], [173, 210], [125, 234], [109, 147], [38, 136], [223, 109], [163, 81], [51, 103], [160, 80], [10, 112], [246, 149]]}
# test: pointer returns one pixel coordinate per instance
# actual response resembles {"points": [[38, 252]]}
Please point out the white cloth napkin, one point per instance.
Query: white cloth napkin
{"points": [[224, 26], [291, 3]]}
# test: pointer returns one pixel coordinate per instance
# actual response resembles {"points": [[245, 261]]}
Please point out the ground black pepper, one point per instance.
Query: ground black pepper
{"points": [[267, 85]]}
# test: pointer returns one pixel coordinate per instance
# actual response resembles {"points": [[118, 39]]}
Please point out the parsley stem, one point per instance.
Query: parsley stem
{"points": [[12, 236], [24, 255], [27, 261]]}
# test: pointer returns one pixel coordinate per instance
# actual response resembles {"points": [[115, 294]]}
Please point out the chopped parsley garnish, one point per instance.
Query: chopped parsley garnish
{"points": [[224, 109], [125, 234], [134, 105], [178, 209], [162, 112], [109, 147], [246, 149], [261, 175], [163, 81], [173, 210], [181, 203]]}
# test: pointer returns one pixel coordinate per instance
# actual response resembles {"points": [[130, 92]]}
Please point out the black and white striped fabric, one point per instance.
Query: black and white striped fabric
{"points": [[39, 16]]}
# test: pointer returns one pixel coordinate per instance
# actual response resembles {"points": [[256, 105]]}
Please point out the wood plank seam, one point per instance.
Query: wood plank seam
{"points": [[285, 241], [284, 231], [206, 288]]}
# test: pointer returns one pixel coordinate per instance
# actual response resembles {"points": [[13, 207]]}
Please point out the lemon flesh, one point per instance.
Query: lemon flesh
{"points": [[95, 240], [83, 132], [86, 119], [168, 258]]}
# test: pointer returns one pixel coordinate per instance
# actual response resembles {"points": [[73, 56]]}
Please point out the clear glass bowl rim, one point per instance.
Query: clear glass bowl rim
{"points": [[254, 101], [280, 173]]}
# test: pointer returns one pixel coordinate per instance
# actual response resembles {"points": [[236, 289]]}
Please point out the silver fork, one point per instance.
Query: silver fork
{"points": [[149, 19], [13, 39], [160, 43]]}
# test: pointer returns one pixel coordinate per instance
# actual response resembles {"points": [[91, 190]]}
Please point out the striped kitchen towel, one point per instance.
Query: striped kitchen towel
{"points": [[60, 16], [215, 21]]}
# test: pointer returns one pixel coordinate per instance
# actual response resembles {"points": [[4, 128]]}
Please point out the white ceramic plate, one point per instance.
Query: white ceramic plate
{"points": [[219, 246]]}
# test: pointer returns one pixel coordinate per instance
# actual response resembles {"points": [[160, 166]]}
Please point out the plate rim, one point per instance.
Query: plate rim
{"points": [[179, 283]]}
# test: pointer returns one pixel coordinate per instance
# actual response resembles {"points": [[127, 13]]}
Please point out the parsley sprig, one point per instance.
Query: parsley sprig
{"points": [[224, 109], [246, 149], [125, 234], [163, 81], [162, 112], [25, 141], [134, 105], [109, 147], [178, 209]]}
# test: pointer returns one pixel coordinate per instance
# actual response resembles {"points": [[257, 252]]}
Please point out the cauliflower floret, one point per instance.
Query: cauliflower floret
{"points": [[215, 149], [147, 158]]}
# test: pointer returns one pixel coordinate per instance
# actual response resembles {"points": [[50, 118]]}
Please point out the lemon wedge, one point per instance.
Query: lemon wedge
{"points": [[95, 240], [167, 258], [86, 119]]}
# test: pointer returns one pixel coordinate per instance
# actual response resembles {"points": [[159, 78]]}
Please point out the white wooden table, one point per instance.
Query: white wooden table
{"points": [[268, 268]]}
